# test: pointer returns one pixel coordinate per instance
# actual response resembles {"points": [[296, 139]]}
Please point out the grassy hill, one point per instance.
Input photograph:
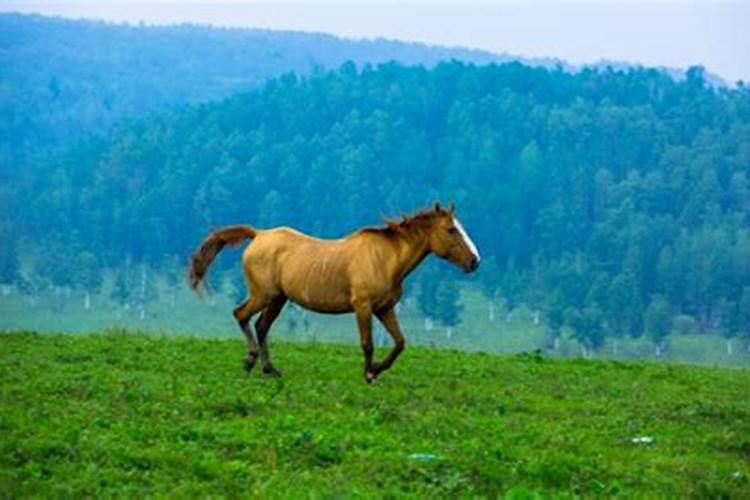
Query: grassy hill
{"points": [[133, 414]]}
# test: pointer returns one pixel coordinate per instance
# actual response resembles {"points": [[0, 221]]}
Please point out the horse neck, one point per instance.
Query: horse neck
{"points": [[413, 248]]}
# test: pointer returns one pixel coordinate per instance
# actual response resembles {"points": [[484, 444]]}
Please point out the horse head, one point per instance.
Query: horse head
{"points": [[449, 240]]}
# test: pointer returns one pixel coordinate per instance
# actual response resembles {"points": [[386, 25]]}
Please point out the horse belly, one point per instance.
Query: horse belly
{"points": [[325, 307], [330, 303], [319, 292]]}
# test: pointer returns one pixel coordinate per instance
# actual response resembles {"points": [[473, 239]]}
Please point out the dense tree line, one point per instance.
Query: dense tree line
{"points": [[616, 203]]}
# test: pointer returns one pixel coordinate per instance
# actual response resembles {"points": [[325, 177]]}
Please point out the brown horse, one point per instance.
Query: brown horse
{"points": [[361, 273]]}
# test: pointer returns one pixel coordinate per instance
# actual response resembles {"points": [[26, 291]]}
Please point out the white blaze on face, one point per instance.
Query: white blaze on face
{"points": [[467, 240]]}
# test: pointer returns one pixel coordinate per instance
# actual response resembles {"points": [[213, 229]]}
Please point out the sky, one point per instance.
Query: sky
{"points": [[672, 33]]}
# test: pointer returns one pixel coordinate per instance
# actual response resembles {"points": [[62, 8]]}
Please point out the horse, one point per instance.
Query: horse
{"points": [[360, 273]]}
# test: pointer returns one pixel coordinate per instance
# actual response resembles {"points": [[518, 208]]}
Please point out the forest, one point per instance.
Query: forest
{"points": [[613, 202], [61, 78]]}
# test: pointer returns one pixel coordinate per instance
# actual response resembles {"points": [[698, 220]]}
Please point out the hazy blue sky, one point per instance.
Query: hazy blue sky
{"points": [[677, 33]]}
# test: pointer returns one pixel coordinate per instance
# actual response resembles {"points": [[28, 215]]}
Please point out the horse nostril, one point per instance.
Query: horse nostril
{"points": [[474, 264]]}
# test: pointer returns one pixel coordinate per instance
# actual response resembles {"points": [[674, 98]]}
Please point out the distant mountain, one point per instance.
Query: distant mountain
{"points": [[62, 79]]}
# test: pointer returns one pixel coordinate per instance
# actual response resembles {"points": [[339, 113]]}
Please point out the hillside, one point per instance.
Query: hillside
{"points": [[62, 79], [613, 204], [134, 415]]}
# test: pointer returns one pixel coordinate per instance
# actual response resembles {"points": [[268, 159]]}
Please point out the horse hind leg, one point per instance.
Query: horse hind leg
{"points": [[263, 327], [243, 313]]}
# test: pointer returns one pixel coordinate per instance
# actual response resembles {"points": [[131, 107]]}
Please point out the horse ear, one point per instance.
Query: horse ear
{"points": [[438, 208], [452, 208]]}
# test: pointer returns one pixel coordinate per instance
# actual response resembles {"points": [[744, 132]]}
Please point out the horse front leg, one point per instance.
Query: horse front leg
{"points": [[364, 324], [388, 318]]}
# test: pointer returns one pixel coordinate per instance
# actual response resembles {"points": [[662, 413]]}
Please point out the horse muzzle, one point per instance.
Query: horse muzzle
{"points": [[471, 265]]}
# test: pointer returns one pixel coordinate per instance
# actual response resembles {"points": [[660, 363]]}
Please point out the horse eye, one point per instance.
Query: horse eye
{"points": [[453, 230]]}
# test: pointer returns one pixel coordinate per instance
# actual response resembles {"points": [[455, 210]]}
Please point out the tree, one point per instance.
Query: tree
{"points": [[587, 325], [683, 324], [173, 272], [657, 321], [146, 289], [429, 282], [121, 291], [624, 307], [447, 308], [9, 263], [490, 282], [554, 311], [726, 319], [54, 264], [87, 275], [743, 314]]}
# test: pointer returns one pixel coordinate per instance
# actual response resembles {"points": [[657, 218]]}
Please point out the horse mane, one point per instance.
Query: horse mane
{"points": [[407, 224]]}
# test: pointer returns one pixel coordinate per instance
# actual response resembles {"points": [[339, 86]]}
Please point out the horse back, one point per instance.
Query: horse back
{"points": [[319, 274]]}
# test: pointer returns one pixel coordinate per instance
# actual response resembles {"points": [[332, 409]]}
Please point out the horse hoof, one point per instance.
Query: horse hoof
{"points": [[370, 377], [272, 371], [248, 363]]}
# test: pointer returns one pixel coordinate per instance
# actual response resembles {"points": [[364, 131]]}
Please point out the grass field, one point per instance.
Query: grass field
{"points": [[130, 415]]}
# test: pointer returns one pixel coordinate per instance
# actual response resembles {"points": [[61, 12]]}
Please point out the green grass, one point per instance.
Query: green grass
{"points": [[131, 415]]}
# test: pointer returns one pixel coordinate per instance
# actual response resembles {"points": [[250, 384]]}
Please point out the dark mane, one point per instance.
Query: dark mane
{"points": [[407, 223]]}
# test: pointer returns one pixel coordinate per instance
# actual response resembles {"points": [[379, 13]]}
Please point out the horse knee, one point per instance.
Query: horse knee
{"points": [[400, 344], [241, 317]]}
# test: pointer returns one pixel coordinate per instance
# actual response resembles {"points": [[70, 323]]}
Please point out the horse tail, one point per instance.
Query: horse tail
{"points": [[211, 246]]}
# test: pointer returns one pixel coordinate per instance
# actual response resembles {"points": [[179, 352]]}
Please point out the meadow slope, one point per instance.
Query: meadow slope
{"points": [[131, 414]]}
